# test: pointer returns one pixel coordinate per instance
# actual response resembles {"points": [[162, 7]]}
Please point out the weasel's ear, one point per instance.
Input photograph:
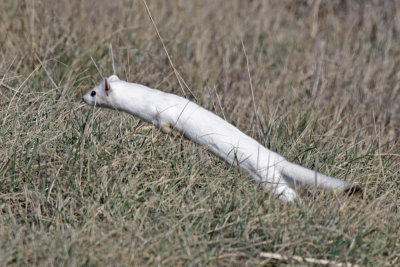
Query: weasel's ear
{"points": [[107, 88], [113, 78]]}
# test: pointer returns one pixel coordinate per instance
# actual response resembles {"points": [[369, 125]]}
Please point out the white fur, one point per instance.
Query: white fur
{"points": [[168, 111]]}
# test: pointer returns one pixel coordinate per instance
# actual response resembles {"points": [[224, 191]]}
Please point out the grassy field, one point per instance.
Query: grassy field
{"points": [[97, 187]]}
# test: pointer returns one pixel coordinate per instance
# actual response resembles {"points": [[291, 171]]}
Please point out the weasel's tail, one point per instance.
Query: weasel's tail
{"points": [[297, 174]]}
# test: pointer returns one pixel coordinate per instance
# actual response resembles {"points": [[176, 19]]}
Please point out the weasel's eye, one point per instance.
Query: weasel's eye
{"points": [[93, 93]]}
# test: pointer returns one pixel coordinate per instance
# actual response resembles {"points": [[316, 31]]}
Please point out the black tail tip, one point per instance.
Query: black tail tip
{"points": [[355, 189]]}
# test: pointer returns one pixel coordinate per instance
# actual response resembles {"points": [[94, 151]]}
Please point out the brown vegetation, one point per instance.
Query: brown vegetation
{"points": [[84, 187]]}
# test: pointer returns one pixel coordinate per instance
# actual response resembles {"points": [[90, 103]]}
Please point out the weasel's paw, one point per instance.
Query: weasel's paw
{"points": [[166, 128], [177, 133]]}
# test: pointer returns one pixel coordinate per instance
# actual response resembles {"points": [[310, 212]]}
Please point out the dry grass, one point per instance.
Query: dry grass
{"points": [[84, 188]]}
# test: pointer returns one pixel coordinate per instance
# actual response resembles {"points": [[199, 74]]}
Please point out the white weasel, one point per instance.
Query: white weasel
{"points": [[171, 112]]}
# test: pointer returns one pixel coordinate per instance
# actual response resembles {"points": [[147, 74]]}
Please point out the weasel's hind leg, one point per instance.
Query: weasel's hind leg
{"points": [[273, 181], [278, 187], [285, 192]]}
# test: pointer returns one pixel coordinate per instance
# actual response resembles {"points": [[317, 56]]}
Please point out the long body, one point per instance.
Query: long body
{"points": [[171, 112]]}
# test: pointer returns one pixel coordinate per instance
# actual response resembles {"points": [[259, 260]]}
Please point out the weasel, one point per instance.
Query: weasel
{"points": [[171, 112]]}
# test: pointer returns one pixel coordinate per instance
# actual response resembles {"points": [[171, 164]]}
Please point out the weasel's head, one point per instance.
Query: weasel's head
{"points": [[100, 95]]}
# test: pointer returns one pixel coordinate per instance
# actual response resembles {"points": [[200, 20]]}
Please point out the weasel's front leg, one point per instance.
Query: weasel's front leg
{"points": [[168, 128]]}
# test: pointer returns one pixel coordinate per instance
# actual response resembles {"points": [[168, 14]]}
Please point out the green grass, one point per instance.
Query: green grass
{"points": [[96, 187]]}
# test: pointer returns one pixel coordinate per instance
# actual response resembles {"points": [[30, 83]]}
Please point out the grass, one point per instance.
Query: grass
{"points": [[96, 187]]}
